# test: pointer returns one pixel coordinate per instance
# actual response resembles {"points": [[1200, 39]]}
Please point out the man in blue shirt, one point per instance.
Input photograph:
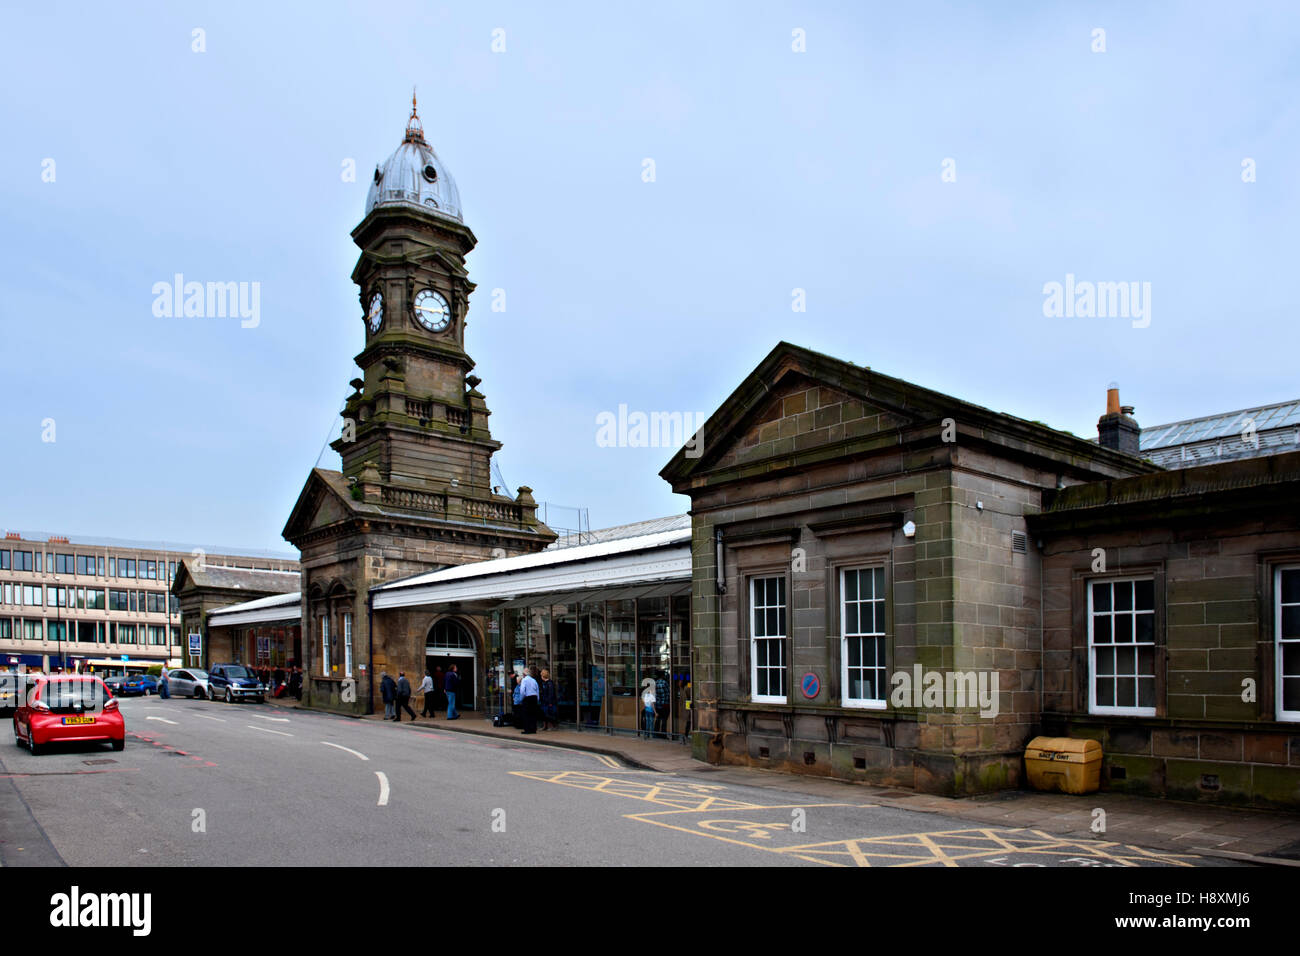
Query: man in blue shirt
{"points": [[451, 684], [529, 689]]}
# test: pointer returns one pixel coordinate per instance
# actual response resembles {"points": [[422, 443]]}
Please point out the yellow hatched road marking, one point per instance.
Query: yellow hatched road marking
{"points": [[948, 848]]}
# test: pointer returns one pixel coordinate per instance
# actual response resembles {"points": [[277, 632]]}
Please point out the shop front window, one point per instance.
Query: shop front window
{"points": [[591, 664], [564, 663], [624, 703], [654, 662]]}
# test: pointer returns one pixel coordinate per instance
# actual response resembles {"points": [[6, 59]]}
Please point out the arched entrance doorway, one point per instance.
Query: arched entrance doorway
{"points": [[450, 642]]}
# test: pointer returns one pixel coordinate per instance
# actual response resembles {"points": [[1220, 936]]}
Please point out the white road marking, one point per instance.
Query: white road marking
{"points": [[220, 720], [383, 788], [268, 730], [355, 753], [163, 719], [282, 720]]}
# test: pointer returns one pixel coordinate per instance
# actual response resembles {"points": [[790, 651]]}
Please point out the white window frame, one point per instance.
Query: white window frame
{"points": [[347, 645], [325, 645], [864, 703], [1093, 707], [1278, 643], [781, 641]]}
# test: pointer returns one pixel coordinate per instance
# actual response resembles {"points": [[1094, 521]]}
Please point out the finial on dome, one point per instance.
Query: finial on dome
{"points": [[414, 128]]}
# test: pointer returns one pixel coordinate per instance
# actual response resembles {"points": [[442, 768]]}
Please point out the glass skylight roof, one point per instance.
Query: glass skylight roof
{"points": [[1230, 425]]}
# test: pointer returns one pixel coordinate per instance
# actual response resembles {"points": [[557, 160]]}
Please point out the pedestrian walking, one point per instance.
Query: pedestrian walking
{"points": [[388, 690], [528, 691], [403, 696], [430, 696], [163, 692], [648, 706], [661, 704], [450, 685], [548, 699]]}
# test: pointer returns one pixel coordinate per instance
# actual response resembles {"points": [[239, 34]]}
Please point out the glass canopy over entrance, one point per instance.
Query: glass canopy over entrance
{"points": [[620, 657]]}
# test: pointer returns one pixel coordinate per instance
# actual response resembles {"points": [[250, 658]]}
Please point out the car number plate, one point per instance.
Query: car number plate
{"points": [[78, 720]]}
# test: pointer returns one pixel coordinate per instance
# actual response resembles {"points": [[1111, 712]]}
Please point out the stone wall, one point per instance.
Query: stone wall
{"points": [[1214, 736]]}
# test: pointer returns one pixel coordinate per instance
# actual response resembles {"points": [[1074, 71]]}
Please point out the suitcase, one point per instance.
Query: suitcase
{"points": [[503, 720]]}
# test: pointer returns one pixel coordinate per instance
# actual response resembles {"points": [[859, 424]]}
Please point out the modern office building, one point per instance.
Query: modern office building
{"points": [[96, 604]]}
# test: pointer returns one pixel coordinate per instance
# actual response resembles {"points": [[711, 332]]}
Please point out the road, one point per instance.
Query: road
{"points": [[216, 784]]}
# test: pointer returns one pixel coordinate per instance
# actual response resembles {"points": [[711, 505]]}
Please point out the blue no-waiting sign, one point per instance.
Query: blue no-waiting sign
{"points": [[811, 685]]}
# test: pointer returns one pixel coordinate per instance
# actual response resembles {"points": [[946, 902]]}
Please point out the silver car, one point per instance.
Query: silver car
{"points": [[188, 682]]}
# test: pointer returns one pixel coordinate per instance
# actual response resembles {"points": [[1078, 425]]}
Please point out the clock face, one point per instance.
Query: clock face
{"points": [[431, 310], [375, 314]]}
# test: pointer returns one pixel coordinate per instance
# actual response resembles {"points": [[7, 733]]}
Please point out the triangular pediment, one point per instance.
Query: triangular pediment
{"points": [[320, 504], [799, 413], [799, 406], [797, 400]]}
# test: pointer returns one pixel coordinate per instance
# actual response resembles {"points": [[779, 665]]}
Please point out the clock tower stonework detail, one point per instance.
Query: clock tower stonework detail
{"points": [[415, 492]]}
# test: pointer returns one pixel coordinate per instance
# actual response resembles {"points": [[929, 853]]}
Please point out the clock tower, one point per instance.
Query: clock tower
{"points": [[415, 491], [415, 424]]}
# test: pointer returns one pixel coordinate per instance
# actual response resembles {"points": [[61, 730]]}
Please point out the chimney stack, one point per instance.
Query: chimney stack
{"points": [[1117, 429]]}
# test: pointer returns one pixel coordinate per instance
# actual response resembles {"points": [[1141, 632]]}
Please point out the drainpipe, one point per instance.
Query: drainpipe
{"points": [[370, 637], [719, 571]]}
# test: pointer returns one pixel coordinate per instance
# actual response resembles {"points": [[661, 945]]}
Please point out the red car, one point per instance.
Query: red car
{"points": [[71, 708]]}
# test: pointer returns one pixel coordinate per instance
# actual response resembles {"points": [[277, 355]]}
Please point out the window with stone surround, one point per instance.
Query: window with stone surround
{"points": [[325, 646], [1121, 643], [1286, 592], [862, 636], [767, 634], [347, 645]]}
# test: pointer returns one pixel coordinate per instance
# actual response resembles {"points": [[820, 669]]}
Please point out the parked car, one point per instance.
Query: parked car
{"points": [[232, 682], [150, 683], [131, 685], [13, 689], [188, 682], [68, 707]]}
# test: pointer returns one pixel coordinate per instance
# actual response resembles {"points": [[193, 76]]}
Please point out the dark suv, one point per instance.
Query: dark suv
{"points": [[232, 682]]}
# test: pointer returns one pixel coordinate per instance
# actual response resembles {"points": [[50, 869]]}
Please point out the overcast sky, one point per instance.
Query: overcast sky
{"points": [[774, 170]]}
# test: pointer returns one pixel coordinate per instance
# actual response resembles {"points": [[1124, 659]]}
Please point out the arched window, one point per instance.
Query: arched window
{"points": [[449, 635]]}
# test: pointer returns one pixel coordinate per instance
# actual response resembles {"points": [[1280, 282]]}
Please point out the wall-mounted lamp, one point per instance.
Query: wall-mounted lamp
{"points": [[909, 529]]}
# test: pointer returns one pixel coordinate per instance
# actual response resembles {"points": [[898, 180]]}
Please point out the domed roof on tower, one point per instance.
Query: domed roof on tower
{"points": [[415, 176]]}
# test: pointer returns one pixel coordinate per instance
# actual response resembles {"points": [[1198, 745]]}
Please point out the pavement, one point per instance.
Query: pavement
{"points": [[1257, 836]]}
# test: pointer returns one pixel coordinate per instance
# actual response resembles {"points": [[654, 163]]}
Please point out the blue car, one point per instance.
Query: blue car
{"points": [[132, 685]]}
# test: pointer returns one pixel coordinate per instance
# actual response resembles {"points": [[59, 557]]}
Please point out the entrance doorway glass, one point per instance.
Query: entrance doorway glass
{"points": [[450, 642]]}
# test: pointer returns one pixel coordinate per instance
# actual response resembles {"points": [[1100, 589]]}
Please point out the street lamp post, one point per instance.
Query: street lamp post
{"points": [[60, 595]]}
